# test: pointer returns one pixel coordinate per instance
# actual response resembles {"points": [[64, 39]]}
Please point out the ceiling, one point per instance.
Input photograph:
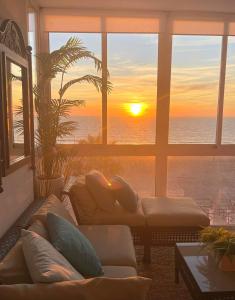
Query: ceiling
{"points": [[165, 5]]}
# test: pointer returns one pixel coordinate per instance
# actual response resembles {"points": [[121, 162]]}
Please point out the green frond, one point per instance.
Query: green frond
{"points": [[91, 79], [52, 113], [66, 128]]}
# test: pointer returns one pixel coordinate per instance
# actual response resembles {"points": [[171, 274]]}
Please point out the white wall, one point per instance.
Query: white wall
{"points": [[18, 186], [17, 195]]}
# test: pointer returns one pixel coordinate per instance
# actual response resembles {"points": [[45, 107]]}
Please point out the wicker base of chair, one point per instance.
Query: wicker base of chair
{"points": [[168, 236], [163, 236], [141, 237]]}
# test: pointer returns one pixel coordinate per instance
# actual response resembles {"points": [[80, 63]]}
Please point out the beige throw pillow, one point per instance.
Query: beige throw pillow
{"points": [[45, 263], [13, 268], [99, 187]]}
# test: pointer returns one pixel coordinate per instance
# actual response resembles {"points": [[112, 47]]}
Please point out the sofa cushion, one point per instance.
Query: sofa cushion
{"points": [[164, 211], [83, 203], [119, 271], [124, 194], [53, 205], [119, 216], [65, 200], [13, 268], [45, 263], [113, 244], [99, 288], [99, 188], [40, 229], [72, 243]]}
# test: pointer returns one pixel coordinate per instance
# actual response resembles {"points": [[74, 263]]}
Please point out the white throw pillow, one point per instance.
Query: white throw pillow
{"points": [[45, 263]]}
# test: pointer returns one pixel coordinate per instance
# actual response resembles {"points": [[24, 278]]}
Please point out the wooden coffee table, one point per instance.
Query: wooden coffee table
{"points": [[201, 274]]}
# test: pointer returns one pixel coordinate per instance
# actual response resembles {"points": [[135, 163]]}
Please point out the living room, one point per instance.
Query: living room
{"points": [[118, 118]]}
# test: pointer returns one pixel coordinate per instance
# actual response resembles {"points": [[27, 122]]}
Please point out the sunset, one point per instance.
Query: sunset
{"points": [[117, 150], [135, 109], [133, 71]]}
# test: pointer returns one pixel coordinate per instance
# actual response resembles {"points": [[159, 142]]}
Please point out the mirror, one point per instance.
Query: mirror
{"points": [[15, 112], [16, 101]]}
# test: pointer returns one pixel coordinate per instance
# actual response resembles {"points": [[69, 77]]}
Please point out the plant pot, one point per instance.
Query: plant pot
{"points": [[48, 186], [227, 263]]}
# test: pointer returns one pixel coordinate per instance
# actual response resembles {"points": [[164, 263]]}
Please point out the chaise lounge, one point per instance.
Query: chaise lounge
{"points": [[157, 220]]}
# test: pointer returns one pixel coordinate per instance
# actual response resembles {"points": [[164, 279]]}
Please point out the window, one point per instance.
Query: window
{"points": [[194, 89], [209, 181], [32, 41], [183, 91], [228, 136], [139, 171], [88, 117], [132, 64]]}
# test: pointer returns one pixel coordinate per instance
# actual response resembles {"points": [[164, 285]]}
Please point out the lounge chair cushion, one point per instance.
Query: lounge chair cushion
{"points": [[119, 216], [99, 188], [13, 268], [45, 263], [74, 246], [119, 271], [171, 212], [124, 194], [53, 205], [99, 288], [113, 244], [83, 203]]}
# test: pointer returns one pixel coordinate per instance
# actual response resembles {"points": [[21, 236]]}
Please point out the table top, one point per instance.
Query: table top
{"points": [[204, 269]]}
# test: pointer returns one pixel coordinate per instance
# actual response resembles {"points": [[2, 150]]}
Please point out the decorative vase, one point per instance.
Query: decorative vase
{"points": [[46, 186], [227, 263]]}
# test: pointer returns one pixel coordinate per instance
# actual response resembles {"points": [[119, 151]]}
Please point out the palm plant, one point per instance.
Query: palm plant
{"points": [[52, 114]]}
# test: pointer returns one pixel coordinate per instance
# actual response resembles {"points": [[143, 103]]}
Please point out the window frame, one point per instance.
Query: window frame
{"points": [[161, 149]]}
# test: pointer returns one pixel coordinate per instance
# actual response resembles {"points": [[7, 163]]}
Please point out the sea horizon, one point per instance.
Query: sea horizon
{"points": [[188, 130]]}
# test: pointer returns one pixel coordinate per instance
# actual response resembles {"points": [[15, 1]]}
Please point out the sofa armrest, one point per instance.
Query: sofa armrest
{"points": [[99, 288]]}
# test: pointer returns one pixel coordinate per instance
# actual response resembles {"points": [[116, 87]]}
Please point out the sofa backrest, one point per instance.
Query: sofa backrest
{"points": [[53, 205]]}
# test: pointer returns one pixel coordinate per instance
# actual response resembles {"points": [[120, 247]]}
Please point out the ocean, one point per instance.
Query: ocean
{"points": [[141, 131]]}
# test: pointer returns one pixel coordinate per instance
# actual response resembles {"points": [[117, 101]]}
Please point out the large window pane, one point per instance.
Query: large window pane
{"points": [[209, 181], [138, 171], [33, 42], [132, 64], [89, 116], [194, 89], [228, 136]]}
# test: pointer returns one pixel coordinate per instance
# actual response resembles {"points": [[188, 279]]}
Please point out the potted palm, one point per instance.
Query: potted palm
{"points": [[52, 114], [221, 243]]}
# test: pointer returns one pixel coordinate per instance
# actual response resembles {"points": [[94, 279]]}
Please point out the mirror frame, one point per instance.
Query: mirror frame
{"points": [[13, 49]]}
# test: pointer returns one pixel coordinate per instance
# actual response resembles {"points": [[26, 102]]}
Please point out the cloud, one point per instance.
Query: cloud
{"points": [[183, 41]]}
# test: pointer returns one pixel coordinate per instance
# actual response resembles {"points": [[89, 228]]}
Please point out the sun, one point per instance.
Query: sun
{"points": [[136, 109]]}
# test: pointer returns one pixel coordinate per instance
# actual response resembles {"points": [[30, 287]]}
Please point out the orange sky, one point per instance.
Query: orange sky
{"points": [[194, 80]]}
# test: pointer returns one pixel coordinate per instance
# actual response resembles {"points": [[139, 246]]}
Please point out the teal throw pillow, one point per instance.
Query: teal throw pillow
{"points": [[74, 246]]}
